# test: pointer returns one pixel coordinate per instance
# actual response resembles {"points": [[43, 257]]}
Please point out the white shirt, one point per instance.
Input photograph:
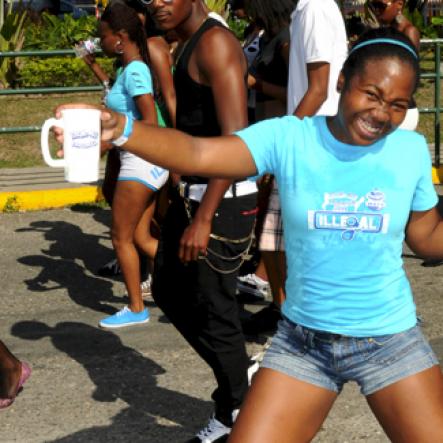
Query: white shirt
{"points": [[317, 35]]}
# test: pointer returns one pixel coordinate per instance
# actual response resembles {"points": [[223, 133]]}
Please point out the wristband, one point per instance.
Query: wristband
{"points": [[127, 131]]}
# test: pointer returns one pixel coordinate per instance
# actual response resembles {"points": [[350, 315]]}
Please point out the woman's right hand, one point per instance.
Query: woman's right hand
{"points": [[112, 123], [89, 59]]}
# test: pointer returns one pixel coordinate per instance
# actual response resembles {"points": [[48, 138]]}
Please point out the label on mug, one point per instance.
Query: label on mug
{"points": [[85, 139]]}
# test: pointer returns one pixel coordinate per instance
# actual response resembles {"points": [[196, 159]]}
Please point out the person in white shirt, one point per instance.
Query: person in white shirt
{"points": [[318, 50]]}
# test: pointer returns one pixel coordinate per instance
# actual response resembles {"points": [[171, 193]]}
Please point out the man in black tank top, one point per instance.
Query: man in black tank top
{"points": [[208, 227]]}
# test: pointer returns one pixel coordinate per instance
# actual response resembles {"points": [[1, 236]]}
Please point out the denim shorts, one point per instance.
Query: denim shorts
{"points": [[330, 360]]}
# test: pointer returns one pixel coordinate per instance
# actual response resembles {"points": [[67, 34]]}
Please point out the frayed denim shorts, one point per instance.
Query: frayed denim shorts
{"points": [[330, 360]]}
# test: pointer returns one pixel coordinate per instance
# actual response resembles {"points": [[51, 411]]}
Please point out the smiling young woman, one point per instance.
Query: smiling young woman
{"points": [[374, 95], [347, 206]]}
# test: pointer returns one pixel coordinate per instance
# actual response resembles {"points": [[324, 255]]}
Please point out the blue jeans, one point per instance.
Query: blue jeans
{"points": [[330, 360]]}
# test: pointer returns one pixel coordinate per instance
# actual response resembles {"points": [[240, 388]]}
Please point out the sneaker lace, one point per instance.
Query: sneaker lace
{"points": [[145, 285], [254, 280], [122, 311], [212, 426], [247, 277]]}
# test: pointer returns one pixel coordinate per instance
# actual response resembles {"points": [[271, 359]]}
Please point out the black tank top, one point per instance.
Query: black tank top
{"points": [[196, 113]]}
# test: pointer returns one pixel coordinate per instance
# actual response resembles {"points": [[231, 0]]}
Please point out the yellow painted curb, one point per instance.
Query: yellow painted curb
{"points": [[57, 198], [53, 198], [437, 175]]}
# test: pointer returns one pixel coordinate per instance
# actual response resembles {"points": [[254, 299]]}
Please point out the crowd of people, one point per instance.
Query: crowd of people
{"points": [[288, 142]]}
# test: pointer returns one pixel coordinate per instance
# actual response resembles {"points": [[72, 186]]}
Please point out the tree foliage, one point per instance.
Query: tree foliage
{"points": [[11, 39], [52, 32]]}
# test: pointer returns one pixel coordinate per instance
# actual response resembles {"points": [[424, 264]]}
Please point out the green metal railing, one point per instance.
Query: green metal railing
{"points": [[50, 90], [437, 109], [436, 75]]}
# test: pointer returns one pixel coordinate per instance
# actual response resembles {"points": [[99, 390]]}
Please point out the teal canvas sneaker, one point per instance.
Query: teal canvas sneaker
{"points": [[125, 317]]}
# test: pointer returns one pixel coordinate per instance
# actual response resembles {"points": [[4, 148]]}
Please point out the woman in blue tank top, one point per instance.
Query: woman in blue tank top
{"points": [[123, 36]]}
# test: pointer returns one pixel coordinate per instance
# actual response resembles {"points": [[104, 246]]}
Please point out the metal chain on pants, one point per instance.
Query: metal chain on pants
{"points": [[243, 256]]}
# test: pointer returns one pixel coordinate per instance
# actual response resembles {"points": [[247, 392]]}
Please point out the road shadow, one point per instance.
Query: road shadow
{"points": [[120, 372], [100, 215], [437, 347], [68, 262], [68, 241]]}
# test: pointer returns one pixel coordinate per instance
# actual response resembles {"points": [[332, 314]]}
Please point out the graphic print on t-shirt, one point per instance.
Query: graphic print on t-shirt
{"points": [[351, 214]]}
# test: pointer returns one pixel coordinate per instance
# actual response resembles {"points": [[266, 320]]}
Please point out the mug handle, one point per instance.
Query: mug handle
{"points": [[47, 125]]}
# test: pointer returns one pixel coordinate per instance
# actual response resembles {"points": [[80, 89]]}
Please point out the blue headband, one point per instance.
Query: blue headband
{"points": [[390, 41]]}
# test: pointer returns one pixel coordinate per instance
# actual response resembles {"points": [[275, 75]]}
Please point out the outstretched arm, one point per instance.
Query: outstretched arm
{"points": [[225, 156]]}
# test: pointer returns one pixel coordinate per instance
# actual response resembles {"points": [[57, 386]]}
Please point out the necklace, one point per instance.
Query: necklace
{"points": [[181, 48]]}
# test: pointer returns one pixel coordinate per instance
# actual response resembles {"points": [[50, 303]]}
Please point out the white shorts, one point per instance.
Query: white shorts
{"points": [[134, 168]]}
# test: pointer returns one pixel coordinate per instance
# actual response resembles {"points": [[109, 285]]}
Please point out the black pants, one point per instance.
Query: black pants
{"points": [[201, 302]]}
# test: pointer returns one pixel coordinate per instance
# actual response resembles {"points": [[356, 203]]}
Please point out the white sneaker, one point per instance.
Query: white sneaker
{"points": [[213, 432], [253, 285], [252, 369], [145, 287], [255, 361]]}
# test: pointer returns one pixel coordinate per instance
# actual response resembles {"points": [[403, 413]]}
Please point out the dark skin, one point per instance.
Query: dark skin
{"points": [[161, 63], [132, 205], [317, 93], [225, 75], [10, 370]]}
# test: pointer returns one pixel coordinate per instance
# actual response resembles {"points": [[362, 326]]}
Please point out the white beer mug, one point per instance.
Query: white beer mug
{"points": [[81, 144]]}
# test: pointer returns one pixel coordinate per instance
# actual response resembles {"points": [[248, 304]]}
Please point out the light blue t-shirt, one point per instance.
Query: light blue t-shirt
{"points": [[134, 80], [344, 210]]}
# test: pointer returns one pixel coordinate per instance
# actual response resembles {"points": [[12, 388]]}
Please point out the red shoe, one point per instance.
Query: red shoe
{"points": [[25, 374]]}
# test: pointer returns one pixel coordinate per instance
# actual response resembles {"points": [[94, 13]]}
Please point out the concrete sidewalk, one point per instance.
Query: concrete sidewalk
{"points": [[26, 189]]}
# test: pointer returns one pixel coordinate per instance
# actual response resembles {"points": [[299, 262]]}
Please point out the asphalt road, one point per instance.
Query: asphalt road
{"points": [[138, 385]]}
